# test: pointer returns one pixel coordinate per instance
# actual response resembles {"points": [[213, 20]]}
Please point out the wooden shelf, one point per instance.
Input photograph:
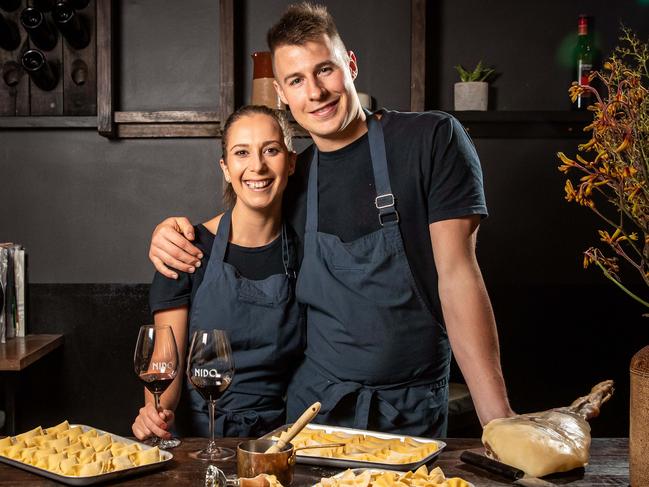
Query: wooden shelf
{"points": [[62, 122], [169, 124], [525, 124], [18, 353], [187, 123], [489, 124]]}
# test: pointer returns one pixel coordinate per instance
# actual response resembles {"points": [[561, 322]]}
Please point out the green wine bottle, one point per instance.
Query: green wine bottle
{"points": [[584, 58]]}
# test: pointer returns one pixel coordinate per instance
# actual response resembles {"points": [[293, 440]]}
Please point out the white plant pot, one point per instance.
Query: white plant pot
{"points": [[471, 95]]}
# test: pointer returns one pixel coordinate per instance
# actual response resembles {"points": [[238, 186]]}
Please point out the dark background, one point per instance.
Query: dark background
{"points": [[85, 206]]}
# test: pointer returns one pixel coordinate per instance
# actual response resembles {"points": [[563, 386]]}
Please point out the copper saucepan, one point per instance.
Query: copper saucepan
{"points": [[253, 460]]}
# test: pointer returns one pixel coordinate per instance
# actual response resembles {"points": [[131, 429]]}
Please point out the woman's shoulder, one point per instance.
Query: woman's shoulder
{"points": [[204, 236], [211, 225]]}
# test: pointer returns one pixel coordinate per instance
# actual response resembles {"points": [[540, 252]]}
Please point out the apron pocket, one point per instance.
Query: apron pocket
{"points": [[249, 293], [423, 411]]}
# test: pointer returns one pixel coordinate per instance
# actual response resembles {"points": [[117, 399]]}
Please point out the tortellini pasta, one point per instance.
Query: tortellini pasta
{"points": [[71, 451], [420, 478], [364, 448]]}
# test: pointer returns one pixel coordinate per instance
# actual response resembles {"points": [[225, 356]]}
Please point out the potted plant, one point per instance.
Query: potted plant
{"points": [[612, 179], [472, 91]]}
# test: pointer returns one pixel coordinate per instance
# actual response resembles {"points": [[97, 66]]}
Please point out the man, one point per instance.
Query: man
{"points": [[387, 207]]}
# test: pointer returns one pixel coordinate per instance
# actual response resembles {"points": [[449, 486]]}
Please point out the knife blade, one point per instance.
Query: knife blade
{"points": [[502, 469], [533, 482], [492, 466]]}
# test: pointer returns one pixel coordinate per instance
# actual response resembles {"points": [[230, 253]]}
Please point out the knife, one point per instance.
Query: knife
{"points": [[502, 469], [534, 482]]}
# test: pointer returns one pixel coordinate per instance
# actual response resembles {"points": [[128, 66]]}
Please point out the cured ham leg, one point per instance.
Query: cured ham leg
{"points": [[551, 441]]}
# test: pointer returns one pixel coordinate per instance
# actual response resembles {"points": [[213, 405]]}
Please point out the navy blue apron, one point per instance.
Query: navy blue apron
{"points": [[375, 356], [266, 334]]}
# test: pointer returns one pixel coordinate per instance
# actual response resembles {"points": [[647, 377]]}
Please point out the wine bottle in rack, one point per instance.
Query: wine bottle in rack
{"points": [[71, 25], [9, 35], [9, 5], [584, 61], [40, 70], [11, 73], [41, 33], [79, 72]]}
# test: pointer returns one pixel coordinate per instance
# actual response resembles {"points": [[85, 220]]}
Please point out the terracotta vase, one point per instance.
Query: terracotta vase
{"points": [[639, 419], [263, 91]]}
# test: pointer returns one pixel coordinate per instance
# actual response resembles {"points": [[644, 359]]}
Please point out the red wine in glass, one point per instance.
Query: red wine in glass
{"points": [[210, 369], [157, 383], [210, 388]]}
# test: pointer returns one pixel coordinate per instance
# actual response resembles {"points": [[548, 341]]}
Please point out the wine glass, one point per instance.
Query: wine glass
{"points": [[210, 369], [156, 364]]}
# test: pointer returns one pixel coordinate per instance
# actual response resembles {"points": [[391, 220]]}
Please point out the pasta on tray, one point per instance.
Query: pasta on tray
{"points": [[364, 448], [70, 451], [377, 478]]}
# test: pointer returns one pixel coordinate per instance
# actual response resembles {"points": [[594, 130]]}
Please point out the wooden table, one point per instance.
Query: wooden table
{"points": [[608, 466], [15, 355]]}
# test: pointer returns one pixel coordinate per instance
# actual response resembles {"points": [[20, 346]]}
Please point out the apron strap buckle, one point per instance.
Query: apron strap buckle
{"points": [[384, 201], [385, 204]]}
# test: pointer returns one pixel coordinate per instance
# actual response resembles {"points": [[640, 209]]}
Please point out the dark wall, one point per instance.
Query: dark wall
{"points": [[528, 43], [85, 206], [75, 198]]}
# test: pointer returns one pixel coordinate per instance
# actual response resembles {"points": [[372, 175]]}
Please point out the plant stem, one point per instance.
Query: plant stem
{"points": [[621, 286]]}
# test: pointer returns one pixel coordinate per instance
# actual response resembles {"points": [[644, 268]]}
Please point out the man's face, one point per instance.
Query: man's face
{"points": [[316, 80]]}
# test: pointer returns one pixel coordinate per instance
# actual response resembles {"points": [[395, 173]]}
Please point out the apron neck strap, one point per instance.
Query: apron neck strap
{"points": [[384, 201], [222, 236], [287, 253], [312, 194]]}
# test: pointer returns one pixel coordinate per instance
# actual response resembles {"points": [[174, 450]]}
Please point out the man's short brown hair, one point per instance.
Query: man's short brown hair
{"points": [[301, 23]]}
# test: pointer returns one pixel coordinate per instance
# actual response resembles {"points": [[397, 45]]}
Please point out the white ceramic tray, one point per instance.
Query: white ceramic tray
{"points": [[346, 463], [94, 479], [358, 471]]}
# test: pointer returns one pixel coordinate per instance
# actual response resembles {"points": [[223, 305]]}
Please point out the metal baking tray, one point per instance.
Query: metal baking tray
{"points": [[346, 463], [358, 471], [94, 479]]}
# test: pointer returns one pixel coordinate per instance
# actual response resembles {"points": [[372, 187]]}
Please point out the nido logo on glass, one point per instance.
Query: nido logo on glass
{"points": [[162, 366], [207, 373]]}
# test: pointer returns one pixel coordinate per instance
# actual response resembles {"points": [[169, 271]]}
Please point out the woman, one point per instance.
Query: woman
{"points": [[246, 287]]}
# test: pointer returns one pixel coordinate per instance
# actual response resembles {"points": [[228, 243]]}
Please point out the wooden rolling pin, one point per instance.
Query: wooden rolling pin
{"points": [[298, 426]]}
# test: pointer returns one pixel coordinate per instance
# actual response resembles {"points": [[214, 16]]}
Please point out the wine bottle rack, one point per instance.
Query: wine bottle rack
{"points": [[75, 92]]}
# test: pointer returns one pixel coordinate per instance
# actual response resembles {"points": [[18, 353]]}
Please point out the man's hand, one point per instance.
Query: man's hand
{"points": [[171, 247]]}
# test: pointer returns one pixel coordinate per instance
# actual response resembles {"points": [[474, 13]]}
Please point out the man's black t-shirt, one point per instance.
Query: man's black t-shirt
{"points": [[252, 263], [434, 173]]}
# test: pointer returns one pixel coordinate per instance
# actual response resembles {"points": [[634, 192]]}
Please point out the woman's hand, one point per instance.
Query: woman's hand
{"points": [[153, 423], [171, 247]]}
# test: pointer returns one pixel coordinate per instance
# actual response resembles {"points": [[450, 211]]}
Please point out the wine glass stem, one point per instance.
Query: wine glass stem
{"points": [[212, 406], [156, 400]]}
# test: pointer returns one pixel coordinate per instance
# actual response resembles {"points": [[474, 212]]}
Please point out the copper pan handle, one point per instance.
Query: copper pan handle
{"points": [[301, 422], [291, 459]]}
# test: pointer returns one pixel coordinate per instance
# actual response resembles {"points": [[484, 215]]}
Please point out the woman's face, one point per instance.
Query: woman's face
{"points": [[258, 163]]}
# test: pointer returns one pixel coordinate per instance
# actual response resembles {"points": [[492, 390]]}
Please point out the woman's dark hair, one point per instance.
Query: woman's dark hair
{"points": [[229, 196]]}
